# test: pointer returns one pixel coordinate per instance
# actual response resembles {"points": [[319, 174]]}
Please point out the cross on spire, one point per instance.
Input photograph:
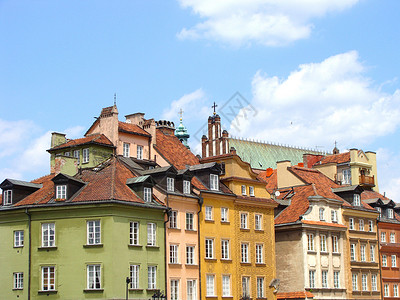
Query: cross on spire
{"points": [[181, 113], [214, 106]]}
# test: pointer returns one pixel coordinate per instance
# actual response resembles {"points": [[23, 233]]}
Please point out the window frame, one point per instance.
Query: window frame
{"points": [[370, 226], [186, 187], [173, 219], [394, 260], [361, 225], [311, 279], [226, 285], [208, 214], [152, 277], [191, 289], [335, 244], [50, 241], [77, 154], [174, 289], [244, 253], [251, 191], [383, 237], [209, 248], [225, 249], [85, 155], [374, 282], [334, 216], [258, 223], [214, 182], [50, 283], [147, 194], [244, 192], [210, 285], [384, 260], [174, 254], [61, 191], [324, 278], [260, 254], [351, 223], [392, 238], [364, 282], [93, 232], [354, 281], [170, 184], [134, 275], [224, 214], [134, 233], [322, 214], [18, 280], [353, 250], [336, 279], [151, 234], [310, 242], [139, 152], [190, 255], [323, 243], [363, 256], [189, 221], [126, 149], [356, 200], [372, 253], [244, 220], [18, 238], [7, 197]]}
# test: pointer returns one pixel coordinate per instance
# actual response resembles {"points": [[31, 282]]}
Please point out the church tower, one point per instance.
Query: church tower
{"points": [[181, 132]]}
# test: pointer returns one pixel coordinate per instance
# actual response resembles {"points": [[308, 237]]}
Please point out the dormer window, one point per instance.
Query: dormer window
{"points": [[243, 190], [170, 184], [251, 191], [147, 194], [390, 213], [322, 214], [334, 216], [186, 187], [356, 200], [7, 197], [61, 192], [380, 211], [214, 182]]}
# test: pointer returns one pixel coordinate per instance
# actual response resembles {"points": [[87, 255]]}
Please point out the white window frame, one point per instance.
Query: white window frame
{"points": [[170, 184], [379, 209], [322, 214], [18, 279], [362, 253], [186, 187], [323, 246], [390, 213], [173, 219], [48, 282], [356, 200], [134, 272], [18, 238], [244, 253], [334, 216], [48, 234], [173, 254], [383, 237], [354, 280], [147, 194], [364, 282], [259, 253], [336, 279], [335, 244], [246, 286], [361, 225], [394, 260], [134, 229], [226, 286], [244, 190], [351, 223], [190, 221], [324, 278], [151, 234], [346, 176], [77, 155], [258, 218], [370, 226], [395, 290], [244, 220], [210, 285], [191, 289], [190, 255], [67, 153], [392, 238], [372, 253], [310, 242], [7, 197], [93, 232], [94, 277], [85, 155], [251, 191], [151, 277], [174, 284], [214, 182], [386, 292], [260, 287], [209, 248], [384, 260], [139, 152], [208, 213], [225, 249], [311, 279], [353, 249], [61, 191], [374, 282], [126, 148], [224, 214]]}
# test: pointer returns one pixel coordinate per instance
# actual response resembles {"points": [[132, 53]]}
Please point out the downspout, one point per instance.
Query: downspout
{"points": [[379, 256], [165, 246], [30, 252], [150, 148], [198, 240]]}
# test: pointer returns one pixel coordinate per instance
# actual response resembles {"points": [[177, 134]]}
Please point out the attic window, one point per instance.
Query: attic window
{"points": [[214, 186], [147, 194], [356, 200], [61, 192], [7, 195], [170, 184], [390, 213], [186, 187], [322, 214], [379, 210]]}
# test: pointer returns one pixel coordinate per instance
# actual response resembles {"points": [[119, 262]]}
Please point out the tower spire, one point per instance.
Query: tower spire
{"points": [[115, 99], [214, 106]]}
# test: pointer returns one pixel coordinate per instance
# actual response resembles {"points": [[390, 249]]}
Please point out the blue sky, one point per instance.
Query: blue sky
{"points": [[312, 72]]}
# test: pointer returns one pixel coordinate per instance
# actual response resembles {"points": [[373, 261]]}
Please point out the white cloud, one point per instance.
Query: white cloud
{"points": [[388, 176], [268, 22], [319, 103], [74, 132]]}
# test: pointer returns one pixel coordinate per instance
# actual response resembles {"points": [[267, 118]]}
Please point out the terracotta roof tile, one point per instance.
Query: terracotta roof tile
{"points": [[323, 223], [266, 200], [335, 158], [41, 196], [365, 195], [295, 295], [132, 128], [100, 139], [271, 179]]}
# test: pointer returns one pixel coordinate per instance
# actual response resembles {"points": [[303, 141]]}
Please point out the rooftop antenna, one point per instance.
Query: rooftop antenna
{"points": [[214, 106], [115, 99]]}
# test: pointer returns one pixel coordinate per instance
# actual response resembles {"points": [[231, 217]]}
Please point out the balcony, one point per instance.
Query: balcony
{"points": [[367, 180]]}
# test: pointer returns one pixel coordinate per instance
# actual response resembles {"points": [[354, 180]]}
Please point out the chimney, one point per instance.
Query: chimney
{"points": [[136, 118], [285, 178], [166, 127], [57, 139]]}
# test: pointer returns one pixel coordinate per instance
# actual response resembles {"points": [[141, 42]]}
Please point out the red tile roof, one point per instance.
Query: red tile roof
{"points": [[335, 158], [41, 196], [323, 223], [132, 128], [365, 195], [270, 179], [99, 139], [266, 200], [294, 295]]}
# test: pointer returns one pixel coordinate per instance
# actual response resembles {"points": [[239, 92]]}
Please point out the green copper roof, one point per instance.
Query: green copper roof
{"points": [[182, 134], [265, 155]]}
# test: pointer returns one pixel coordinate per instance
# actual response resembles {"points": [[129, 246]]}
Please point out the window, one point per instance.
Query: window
{"points": [[186, 187], [361, 225], [191, 289], [151, 277], [139, 152], [209, 248], [61, 192], [126, 149], [353, 252], [351, 224], [390, 213], [189, 221], [174, 289], [311, 278], [214, 185], [243, 220], [134, 233], [245, 286], [224, 249], [251, 191], [334, 216], [364, 284], [243, 190], [77, 156], [259, 254], [210, 285], [85, 155], [362, 252], [386, 290], [244, 253], [395, 290], [354, 278], [372, 252], [322, 214], [336, 279], [392, 238], [173, 254], [310, 238], [7, 196], [258, 222], [93, 232], [190, 255], [173, 219], [147, 194], [48, 235], [323, 242], [380, 211], [356, 200], [224, 214], [18, 281], [384, 260], [67, 153], [324, 279], [18, 238], [374, 285], [260, 287], [335, 244], [151, 234], [48, 279], [370, 226], [209, 214], [170, 184], [394, 264], [226, 285], [346, 176], [134, 272], [383, 237]]}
